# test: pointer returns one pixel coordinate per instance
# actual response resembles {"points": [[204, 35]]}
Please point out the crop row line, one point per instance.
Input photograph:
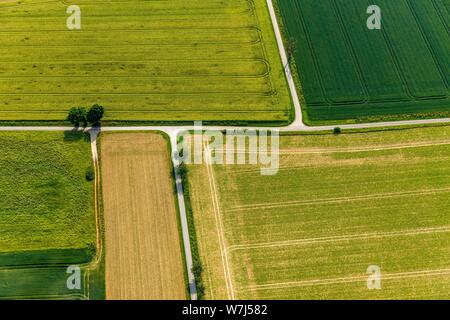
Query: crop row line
{"points": [[339, 199], [219, 225], [332, 103], [427, 42], [168, 29], [352, 237], [172, 44], [152, 11], [353, 55], [440, 15], [175, 61], [315, 282], [120, 76], [153, 111], [260, 94]]}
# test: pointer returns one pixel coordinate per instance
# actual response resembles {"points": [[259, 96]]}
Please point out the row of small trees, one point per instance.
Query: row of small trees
{"points": [[80, 116]]}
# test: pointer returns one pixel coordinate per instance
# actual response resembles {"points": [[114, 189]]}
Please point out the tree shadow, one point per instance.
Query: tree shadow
{"points": [[73, 135]]}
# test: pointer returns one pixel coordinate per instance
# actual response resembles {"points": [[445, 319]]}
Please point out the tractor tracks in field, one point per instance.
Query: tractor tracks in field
{"points": [[219, 225], [340, 199], [343, 238], [350, 279]]}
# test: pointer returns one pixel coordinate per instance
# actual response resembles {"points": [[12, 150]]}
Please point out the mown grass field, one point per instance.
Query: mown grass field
{"points": [[143, 60], [144, 258], [348, 72], [338, 204], [46, 212]]}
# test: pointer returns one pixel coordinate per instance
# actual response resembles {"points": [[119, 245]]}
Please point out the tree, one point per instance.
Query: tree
{"points": [[291, 47], [197, 269], [77, 116], [95, 114], [182, 170], [90, 174], [337, 130]]}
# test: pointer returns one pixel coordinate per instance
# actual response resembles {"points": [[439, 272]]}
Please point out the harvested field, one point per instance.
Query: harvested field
{"points": [[143, 249]]}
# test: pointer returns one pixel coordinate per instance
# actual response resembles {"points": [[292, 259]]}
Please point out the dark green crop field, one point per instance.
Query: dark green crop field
{"points": [[351, 73], [142, 60]]}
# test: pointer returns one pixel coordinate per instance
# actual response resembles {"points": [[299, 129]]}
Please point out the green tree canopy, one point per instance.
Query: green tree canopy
{"points": [[77, 116], [95, 114]]}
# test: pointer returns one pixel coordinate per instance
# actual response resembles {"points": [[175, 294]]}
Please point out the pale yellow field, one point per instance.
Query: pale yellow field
{"points": [[143, 249], [338, 204]]}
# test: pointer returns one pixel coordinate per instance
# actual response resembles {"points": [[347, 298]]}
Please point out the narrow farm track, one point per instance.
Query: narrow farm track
{"points": [[97, 183], [95, 159], [184, 223], [296, 126]]}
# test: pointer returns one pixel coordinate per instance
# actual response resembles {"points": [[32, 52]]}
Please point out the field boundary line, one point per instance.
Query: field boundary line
{"points": [[316, 282], [362, 236], [338, 200], [219, 224]]}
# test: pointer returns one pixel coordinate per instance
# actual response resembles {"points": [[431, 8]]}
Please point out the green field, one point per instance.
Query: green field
{"points": [[348, 72], [46, 212], [338, 204], [144, 61]]}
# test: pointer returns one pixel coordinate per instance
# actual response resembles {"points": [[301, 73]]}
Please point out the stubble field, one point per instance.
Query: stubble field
{"points": [[144, 258]]}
